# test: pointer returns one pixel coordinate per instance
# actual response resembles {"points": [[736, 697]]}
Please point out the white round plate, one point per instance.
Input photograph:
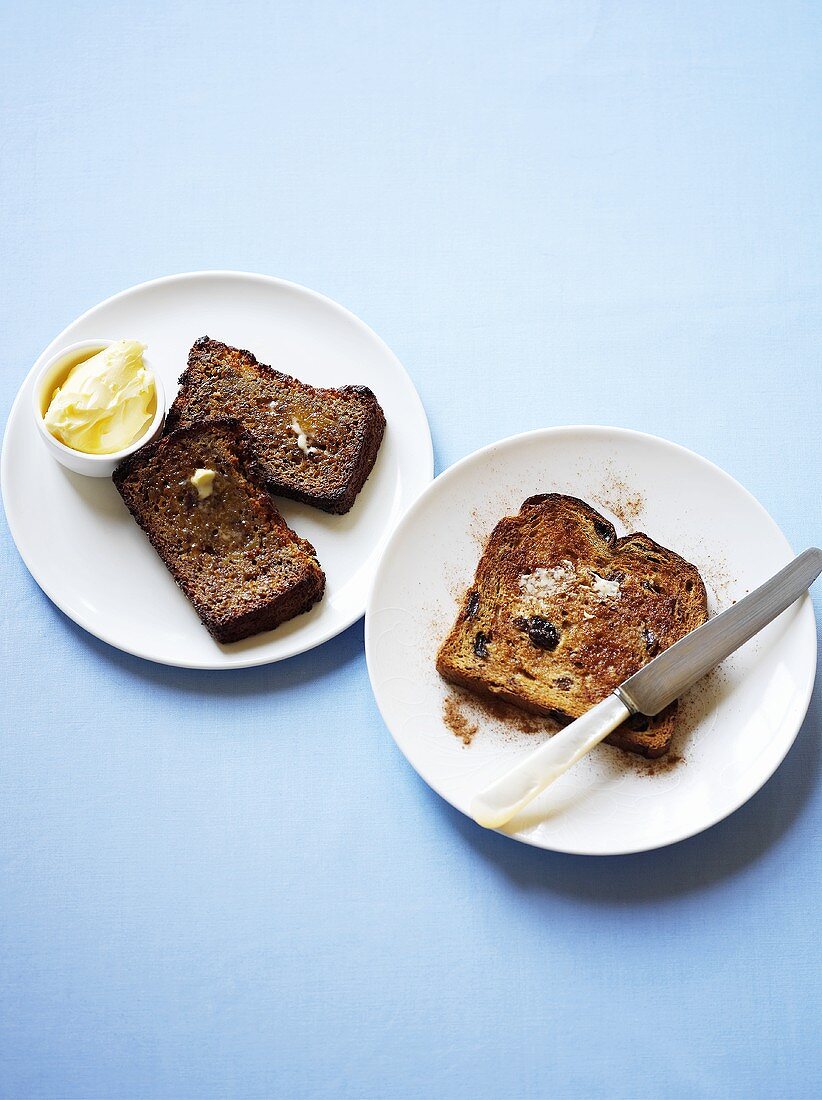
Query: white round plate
{"points": [[86, 552], [733, 729]]}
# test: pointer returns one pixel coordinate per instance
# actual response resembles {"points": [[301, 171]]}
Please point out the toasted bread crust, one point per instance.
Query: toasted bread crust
{"points": [[561, 611], [233, 555], [345, 426]]}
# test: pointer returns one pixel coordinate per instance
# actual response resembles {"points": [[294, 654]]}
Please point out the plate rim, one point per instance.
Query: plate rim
{"points": [[295, 649], [805, 604]]}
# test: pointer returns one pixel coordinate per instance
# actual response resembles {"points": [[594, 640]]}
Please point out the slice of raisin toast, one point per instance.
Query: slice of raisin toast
{"points": [[315, 445], [221, 537], [561, 611]]}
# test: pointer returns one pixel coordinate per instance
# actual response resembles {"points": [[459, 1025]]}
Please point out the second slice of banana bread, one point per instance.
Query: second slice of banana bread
{"points": [[313, 444]]}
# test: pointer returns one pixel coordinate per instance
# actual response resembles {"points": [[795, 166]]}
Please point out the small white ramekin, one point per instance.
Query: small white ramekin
{"points": [[53, 373]]}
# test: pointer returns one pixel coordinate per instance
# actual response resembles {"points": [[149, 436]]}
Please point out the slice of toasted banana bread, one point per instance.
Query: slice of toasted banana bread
{"points": [[561, 611], [223, 540], [313, 444]]}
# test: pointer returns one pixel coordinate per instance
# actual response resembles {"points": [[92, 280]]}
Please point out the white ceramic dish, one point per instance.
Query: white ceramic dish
{"points": [[734, 728], [77, 538], [52, 374]]}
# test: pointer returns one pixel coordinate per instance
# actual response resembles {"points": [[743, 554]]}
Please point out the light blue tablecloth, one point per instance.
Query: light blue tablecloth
{"points": [[234, 885]]}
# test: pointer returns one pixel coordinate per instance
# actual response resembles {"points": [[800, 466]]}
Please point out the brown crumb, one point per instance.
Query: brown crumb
{"points": [[660, 766], [623, 501], [513, 717], [719, 581], [463, 713], [457, 722]]}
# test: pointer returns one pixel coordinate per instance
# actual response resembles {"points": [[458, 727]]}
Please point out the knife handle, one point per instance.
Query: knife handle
{"points": [[498, 803]]}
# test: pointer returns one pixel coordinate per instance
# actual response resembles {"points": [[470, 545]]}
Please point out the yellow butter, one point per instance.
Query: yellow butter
{"points": [[106, 402], [203, 482]]}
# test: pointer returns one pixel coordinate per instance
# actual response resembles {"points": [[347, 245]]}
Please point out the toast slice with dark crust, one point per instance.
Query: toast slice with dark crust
{"points": [[313, 444], [561, 611], [231, 552]]}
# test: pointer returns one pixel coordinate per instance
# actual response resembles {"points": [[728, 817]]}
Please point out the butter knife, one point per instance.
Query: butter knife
{"points": [[648, 691]]}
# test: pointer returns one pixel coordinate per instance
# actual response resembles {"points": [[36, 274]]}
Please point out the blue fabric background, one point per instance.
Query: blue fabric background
{"points": [[591, 212]]}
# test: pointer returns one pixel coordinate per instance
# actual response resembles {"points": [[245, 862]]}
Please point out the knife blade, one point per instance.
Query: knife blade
{"points": [[680, 666], [648, 691]]}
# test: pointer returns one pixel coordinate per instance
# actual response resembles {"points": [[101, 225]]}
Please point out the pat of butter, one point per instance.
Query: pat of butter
{"points": [[203, 482], [605, 589], [302, 438], [545, 582], [106, 401]]}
